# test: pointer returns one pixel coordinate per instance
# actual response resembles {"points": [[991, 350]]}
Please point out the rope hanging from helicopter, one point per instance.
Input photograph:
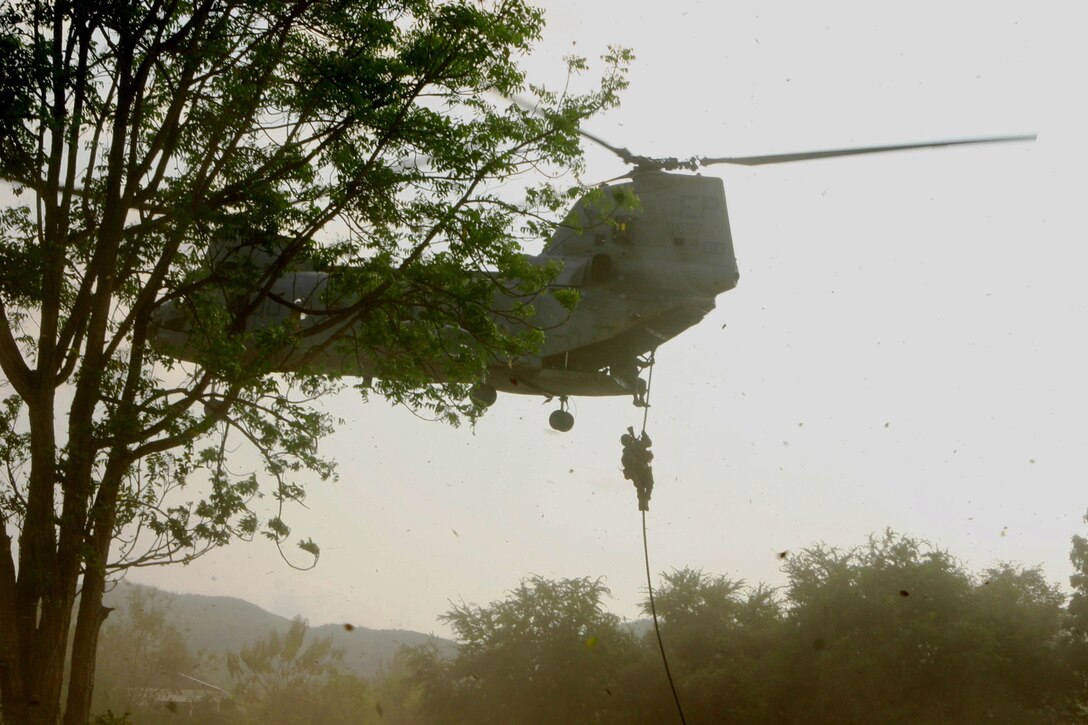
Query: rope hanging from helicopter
{"points": [[636, 467], [649, 363]]}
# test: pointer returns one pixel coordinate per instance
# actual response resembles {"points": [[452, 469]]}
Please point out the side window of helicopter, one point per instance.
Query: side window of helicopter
{"points": [[623, 232]]}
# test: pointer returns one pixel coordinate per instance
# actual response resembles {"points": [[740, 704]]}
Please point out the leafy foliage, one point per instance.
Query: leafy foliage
{"points": [[1077, 623], [174, 161], [145, 652], [894, 631], [548, 653], [721, 638], [900, 631], [891, 631], [284, 679]]}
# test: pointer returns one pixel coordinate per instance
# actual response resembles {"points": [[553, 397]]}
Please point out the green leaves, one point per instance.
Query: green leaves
{"points": [[546, 653], [143, 651], [892, 631], [20, 264], [184, 167], [899, 619], [367, 140], [20, 68], [290, 679]]}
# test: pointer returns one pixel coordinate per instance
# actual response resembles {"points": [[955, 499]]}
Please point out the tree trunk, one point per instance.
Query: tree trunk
{"points": [[91, 612], [42, 609], [85, 651], [12, 703]]}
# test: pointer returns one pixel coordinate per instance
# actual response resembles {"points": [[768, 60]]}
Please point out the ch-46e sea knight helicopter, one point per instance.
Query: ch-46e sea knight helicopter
{"points": [[644, 275]]}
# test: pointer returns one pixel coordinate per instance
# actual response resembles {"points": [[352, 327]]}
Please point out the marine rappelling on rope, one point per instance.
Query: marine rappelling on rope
{"points": [[637, 456], [636, 460]]}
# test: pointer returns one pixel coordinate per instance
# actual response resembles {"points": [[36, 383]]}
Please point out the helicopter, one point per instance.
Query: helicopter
{"points": [[644, 274]]}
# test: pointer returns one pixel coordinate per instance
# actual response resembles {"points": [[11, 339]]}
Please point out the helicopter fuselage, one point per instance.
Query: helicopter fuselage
{"points": [[644, 274]]}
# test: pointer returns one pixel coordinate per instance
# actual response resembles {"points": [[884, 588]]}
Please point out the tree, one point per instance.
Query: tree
{"points": [[722, 639], [397, 695], [283, 680], [548, 653], [898, 632], [1078, 602], [1077, 623], [345, 135], [143, 650]]}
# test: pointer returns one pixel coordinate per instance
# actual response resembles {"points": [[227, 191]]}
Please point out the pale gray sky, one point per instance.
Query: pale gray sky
{"points": [[904, 349]]}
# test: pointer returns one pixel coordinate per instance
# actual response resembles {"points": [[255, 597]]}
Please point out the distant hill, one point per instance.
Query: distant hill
{"points": [[641, 628], [218, 625]]}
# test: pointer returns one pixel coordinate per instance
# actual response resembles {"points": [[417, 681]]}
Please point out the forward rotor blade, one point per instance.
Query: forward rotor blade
{"points": [[623, 153], [805, 156], [627, 156]]}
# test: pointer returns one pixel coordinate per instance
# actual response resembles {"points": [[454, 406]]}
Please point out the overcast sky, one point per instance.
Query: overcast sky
{"points": [[905, 348]]}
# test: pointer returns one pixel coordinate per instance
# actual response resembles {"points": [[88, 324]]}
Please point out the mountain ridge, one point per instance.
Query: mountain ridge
{"points": [[215, 625]]}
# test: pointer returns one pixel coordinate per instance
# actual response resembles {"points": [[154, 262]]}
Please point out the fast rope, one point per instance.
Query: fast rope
{"points": [[644, 440], [657, 628], [646, 395]]}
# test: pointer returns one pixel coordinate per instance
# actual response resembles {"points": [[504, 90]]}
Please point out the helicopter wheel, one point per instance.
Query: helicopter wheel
{"points": [[483, 394], [561, 420]]}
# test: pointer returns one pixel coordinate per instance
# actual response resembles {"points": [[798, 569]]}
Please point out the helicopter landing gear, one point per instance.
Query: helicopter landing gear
{"points": [[483, 394], [561, 420]]}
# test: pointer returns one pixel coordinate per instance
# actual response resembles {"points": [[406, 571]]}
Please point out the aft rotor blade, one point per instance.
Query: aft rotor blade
{"points": [[806, 155]]}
